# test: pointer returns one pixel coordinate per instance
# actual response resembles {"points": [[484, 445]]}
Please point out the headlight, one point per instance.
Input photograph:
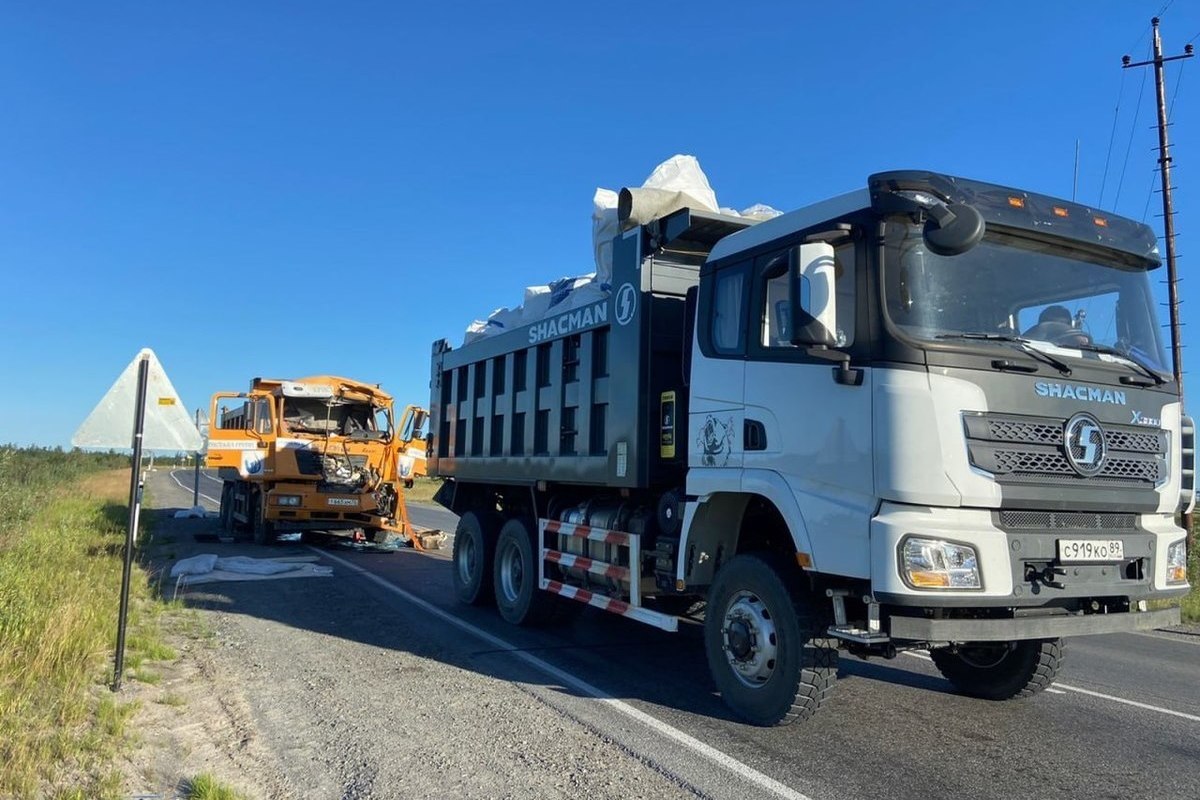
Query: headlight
{"points": [[287, 499], [934, 564], [1177, 562]]}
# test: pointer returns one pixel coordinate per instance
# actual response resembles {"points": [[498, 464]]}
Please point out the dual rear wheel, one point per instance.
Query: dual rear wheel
{"points": [[495, 561]]}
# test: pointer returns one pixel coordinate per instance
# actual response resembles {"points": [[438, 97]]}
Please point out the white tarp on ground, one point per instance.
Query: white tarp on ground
{"points": [[209, 568], [195, 512], [676, 183]]}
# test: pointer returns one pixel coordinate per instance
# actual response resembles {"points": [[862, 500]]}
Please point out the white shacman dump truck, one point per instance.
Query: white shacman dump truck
{"points": [[931, 413]]}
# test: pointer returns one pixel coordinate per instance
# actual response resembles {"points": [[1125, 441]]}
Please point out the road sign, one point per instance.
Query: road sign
{"points": [[169, 426]]}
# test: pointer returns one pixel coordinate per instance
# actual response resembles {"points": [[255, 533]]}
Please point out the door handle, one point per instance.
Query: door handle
{"points": [[754, 435]]}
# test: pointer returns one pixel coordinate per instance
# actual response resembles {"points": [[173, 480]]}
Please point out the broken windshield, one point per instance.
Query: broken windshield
{"points": [[333, 417]]}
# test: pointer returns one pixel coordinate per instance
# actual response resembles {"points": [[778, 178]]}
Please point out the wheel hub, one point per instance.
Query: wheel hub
{"points": [[751, 642], [512, 574], [467, 559]]}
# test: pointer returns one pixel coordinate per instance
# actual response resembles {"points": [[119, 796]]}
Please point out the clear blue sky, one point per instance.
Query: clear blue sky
{"points": [[293, 188]]}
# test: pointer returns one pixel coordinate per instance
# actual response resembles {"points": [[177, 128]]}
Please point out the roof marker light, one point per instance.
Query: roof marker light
{"points": [[1016, 202]]}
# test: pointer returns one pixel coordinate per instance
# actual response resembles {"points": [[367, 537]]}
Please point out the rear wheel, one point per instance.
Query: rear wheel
{"points": [[515, 578], [765, 643], [1001, 670], [474, 550]]}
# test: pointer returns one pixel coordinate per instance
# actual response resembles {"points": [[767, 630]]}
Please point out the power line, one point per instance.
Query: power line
{"points": [[1132, 130], [1113, 136]]}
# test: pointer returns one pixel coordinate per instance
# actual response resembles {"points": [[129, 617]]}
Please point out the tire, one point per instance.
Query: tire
{"points": [[1001, 670], [263, 529], [226, 511], [514, 578], [764, 643], [474, 551]]}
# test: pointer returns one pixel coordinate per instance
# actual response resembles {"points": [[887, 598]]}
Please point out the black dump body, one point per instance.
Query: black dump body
{"points": [[578, 397]]}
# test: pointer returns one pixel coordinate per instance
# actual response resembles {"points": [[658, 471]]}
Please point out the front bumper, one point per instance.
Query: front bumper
{"points": [[1006, 557], [920, 629]]}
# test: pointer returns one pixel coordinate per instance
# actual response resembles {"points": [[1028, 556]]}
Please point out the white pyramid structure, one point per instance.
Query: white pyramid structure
{"points": [[168, 424]]}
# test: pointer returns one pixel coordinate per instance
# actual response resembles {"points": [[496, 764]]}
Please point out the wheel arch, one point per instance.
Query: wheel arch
{"points": [[721, 525]]}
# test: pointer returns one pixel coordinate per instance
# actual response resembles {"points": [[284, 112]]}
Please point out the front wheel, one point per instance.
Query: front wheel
{"points": [[227, 508], [765, 643], [1001, 670], [262, 528]]}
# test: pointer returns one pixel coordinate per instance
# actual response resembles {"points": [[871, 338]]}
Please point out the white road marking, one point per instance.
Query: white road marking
{"points": [[711, 753], [1062, 688], [1123, 701], [190, 489]]}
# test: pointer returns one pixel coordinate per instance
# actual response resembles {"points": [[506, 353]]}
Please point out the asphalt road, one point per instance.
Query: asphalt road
{"points": [[1123, 720]]}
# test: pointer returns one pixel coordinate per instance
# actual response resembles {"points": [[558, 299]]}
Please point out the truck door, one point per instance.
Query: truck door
{"points": [[716, 403], [806, 434], [241, 432], [412, 443]]}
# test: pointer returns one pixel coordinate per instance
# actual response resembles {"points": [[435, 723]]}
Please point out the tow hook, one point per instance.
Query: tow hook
{"points": [[1045, 576]]}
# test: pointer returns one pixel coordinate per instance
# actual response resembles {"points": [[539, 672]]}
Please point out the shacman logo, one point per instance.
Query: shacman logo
{"points": [[1084, 444], [626, 303]]}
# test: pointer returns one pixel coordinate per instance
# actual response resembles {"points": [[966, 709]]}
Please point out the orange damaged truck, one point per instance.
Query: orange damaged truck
{"points": [[318, 455]]}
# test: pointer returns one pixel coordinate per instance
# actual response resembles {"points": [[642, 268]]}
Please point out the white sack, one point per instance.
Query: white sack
{"points": [[676, 183]]}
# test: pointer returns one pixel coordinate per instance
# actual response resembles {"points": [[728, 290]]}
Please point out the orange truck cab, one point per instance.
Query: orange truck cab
{"points": [[314, 454]]}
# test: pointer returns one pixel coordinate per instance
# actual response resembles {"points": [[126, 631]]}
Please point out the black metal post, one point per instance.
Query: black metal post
{"points": [[196, 483], [135, 506]]}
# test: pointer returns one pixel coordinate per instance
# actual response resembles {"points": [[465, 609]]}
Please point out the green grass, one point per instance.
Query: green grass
{"points": [[423, 490], [62, 520], [206, 787], [173, 700]]}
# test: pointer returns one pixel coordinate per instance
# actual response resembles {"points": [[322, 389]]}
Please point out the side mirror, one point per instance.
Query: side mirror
{"points": [[953, 229], [811, 298]]}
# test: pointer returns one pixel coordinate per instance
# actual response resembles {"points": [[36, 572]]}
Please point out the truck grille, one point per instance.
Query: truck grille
{"points": [[1067, 520], [1030, 449]]}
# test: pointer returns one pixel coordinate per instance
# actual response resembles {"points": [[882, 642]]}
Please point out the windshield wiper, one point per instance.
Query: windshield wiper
{"points": [[1092, 347], [1022, 344]]}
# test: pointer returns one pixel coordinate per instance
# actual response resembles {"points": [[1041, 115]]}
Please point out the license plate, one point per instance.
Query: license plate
{"points": [[1084, 550]]}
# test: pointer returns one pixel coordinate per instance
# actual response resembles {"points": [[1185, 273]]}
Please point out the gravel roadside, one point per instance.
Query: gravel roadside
{"points": [[329, 688]]}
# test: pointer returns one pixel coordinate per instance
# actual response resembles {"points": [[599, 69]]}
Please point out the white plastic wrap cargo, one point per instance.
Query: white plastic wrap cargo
{"points": [[676, 183]]}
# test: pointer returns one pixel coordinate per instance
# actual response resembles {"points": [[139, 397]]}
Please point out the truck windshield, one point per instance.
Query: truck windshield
{"points": [[1014, 286], [331, 417]]}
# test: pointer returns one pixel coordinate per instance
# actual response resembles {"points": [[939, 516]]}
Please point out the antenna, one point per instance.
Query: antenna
{"points": [[1075, 180]]}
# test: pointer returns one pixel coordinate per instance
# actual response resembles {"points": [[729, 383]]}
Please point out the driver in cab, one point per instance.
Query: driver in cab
{"points": [[1055, 325]]}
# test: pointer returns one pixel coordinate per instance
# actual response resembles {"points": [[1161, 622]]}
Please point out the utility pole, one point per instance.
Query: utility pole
{"points": [[196, 482], [1164, 165]]}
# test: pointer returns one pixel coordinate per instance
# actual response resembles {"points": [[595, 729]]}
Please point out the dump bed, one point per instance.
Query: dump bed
{"points": [[582, 396]]}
